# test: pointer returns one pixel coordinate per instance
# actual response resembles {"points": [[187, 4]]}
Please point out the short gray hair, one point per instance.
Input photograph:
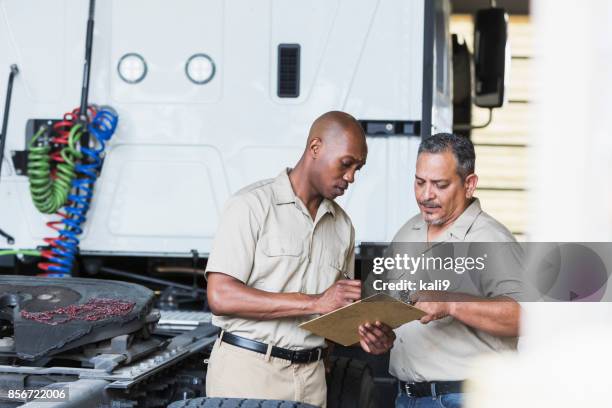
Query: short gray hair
{"points": [[461, 147]]}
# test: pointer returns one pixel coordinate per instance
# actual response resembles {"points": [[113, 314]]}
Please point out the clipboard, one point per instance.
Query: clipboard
{"points": [[341, 325]]}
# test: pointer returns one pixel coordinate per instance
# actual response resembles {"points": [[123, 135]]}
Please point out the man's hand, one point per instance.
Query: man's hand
{"points": [[376, 338], [437, 304], [342, 293]]}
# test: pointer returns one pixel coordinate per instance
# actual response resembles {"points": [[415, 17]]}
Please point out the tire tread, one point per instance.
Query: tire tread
{"points": [[205, 402]]}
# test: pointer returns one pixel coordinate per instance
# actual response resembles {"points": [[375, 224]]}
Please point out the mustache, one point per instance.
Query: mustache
{"points": [[429, 204]]}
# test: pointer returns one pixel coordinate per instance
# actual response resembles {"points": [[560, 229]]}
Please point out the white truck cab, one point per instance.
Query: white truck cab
{"points": [[213, 95]]}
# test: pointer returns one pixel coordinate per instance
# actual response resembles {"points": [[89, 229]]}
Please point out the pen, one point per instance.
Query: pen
{"points": [[347, 277]]}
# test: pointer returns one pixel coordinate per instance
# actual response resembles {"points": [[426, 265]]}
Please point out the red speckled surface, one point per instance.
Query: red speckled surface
{"points": [[95, 309]]}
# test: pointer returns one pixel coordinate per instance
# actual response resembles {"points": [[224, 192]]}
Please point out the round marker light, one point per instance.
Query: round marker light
{"points": [[132, 68], [200, 69]]}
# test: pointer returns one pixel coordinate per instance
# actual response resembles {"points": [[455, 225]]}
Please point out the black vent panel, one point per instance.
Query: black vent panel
{"points": [[288, 71]]}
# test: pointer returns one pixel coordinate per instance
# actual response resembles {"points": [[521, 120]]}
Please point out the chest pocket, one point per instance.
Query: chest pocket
{"points": [[336, 268], [276, 245], [280, 264], [334, 255], [333, 264]]}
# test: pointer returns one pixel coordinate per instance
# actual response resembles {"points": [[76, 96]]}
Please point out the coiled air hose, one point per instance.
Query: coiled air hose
{"points": [[64, 248], [49, 190]]}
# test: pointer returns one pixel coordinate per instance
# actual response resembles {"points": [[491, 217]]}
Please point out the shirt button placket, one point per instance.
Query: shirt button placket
{"points": [[309, 259], [310, 237]]}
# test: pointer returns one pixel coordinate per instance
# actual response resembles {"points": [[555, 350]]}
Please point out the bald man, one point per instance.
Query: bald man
{"points": [[279, 259]]}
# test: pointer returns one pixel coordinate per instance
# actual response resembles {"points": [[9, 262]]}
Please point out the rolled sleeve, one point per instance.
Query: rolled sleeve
{"points": [[234, 245], [504, 273]]}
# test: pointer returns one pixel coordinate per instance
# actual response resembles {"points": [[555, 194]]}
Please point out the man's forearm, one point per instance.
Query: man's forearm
{"points": [[236, 299], [496, 316]]}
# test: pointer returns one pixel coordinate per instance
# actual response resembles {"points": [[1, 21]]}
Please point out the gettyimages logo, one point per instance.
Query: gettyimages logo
{"points": [[413, 264]]}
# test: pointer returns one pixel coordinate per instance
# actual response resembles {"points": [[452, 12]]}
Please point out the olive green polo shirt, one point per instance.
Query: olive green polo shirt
{"points": [[268, 240], [443, 350]]}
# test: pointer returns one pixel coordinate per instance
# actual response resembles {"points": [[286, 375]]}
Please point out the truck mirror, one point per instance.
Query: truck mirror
{"points": [[491, 57]]}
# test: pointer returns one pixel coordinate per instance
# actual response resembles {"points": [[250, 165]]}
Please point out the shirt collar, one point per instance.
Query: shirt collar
{"points": [[283, 193], [328, 206], [461, 226]]}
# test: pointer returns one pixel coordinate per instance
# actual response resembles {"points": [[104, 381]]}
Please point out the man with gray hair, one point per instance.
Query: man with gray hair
{"points": [[431, 358]]}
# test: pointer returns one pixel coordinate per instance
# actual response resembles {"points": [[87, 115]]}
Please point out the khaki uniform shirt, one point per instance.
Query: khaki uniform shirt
{"points": [[443, 350], [268, 240]]}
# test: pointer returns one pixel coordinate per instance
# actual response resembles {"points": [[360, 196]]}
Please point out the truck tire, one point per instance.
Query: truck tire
{"points": [[350, 384], [236, 403]]}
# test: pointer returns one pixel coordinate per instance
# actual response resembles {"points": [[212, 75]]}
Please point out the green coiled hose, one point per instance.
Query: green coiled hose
{"points": [[50, 194]]}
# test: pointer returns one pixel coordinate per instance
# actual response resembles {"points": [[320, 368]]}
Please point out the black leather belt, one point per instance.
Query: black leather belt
{"points": [[295, 356], [430, 388]]}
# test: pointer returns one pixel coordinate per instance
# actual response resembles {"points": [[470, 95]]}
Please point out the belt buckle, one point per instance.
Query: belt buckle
{"points": [[319, 352], [407, 389]]}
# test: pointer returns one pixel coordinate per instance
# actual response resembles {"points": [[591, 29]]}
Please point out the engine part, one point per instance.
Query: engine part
{"points": [[26, 297]]}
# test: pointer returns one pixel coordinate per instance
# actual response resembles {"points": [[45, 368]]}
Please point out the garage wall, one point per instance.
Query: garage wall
{"points": [[502, 147]]}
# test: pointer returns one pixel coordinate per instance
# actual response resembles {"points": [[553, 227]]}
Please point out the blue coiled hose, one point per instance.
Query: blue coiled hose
{"points": [[102, 128]]}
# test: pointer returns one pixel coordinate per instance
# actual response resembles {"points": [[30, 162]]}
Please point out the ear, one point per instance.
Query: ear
{"points": [[470, 185], [314, 147]]}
